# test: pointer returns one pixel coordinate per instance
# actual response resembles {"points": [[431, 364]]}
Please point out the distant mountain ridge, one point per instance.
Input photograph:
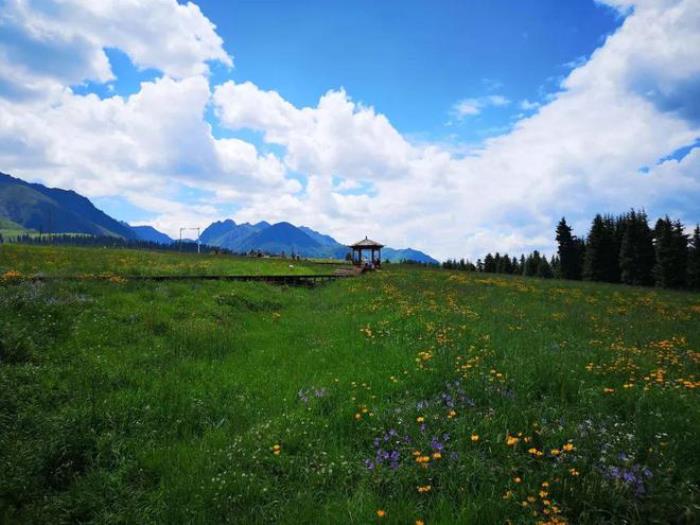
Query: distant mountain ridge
{"points": [[284, 237], [51, 210]]}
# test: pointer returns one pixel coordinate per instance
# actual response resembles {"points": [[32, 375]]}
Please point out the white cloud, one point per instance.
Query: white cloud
{"points": [[337, 137], [46, 45], [473, 106]]}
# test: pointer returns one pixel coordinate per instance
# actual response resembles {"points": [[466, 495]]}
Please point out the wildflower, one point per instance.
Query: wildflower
{"points": [[451, 414], [568, 447], [437, 455], [381, 513], [608, 390], [475, 438], [517, 480], [533, 451], [420, 522], [555, 452], [511, 440], [276, 449], [424, 489], [573, 472], [420, 419], [508, 494]]}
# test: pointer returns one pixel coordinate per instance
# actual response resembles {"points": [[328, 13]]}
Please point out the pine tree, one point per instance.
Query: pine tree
{"points": [[507, 264], [694, 260], [531, 264], [544, 269], [489, 263], [671, 246], [569, 252], [497, 263], [636, 250], [555, 263], [601, 257]]}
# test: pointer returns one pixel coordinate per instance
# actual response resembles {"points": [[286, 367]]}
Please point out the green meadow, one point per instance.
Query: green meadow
{"points": [[405, 396]]}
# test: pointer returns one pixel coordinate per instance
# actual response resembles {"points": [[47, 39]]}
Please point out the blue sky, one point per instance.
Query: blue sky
{"points": [[485, 120], [411, 60]]}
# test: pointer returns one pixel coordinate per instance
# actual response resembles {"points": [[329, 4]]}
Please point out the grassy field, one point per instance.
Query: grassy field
{"points": [[64, 260], [409, 395]]}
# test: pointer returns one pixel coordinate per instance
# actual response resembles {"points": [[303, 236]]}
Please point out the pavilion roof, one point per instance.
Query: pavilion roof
{"points": [[366, 243]]}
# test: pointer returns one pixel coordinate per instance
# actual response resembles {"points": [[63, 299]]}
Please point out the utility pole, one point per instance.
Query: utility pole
{"points": [[186, 229]]}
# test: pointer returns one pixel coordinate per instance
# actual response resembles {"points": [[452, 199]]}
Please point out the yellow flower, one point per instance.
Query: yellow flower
{"points": [[511, 440], [568, 447], [420, 522], [475, 438], [381, 513], [608, 390], [276, 449], [517, 480], [420, 419], [451, 414], [555, 452], [423, 489], [437, 455]]}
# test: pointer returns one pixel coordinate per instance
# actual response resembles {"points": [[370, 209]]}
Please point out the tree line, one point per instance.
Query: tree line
{"points": [[618, 249], [104, 241]]}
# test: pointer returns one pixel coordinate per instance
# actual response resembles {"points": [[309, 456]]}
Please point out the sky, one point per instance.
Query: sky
{"points": [[454, 127]]}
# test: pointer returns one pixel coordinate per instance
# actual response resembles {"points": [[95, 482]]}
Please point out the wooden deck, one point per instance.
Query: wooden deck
{"points": [[292, 280]]}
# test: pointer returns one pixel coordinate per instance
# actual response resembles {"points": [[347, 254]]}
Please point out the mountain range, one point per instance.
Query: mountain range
{"points": [[35, 207]]}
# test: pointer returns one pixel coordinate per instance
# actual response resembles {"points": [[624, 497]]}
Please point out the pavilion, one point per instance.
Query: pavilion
{"points": [[367, 245]]}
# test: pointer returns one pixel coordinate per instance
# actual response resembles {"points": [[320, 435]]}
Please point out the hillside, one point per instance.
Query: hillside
{"points": [[10, 228], [149, 233], [53, 210]]}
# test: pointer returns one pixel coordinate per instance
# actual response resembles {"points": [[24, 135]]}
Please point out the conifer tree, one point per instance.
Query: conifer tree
{"points": [[671, 246], [568, 251], [694, 260], [636, 250], [489, 263], [601, 258], [497, 263], [544, 269], [531, 264]]}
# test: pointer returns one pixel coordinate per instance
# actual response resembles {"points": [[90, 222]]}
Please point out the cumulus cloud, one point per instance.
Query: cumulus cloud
{"points": [[630, 104], [337, 136], [48, 44]]}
